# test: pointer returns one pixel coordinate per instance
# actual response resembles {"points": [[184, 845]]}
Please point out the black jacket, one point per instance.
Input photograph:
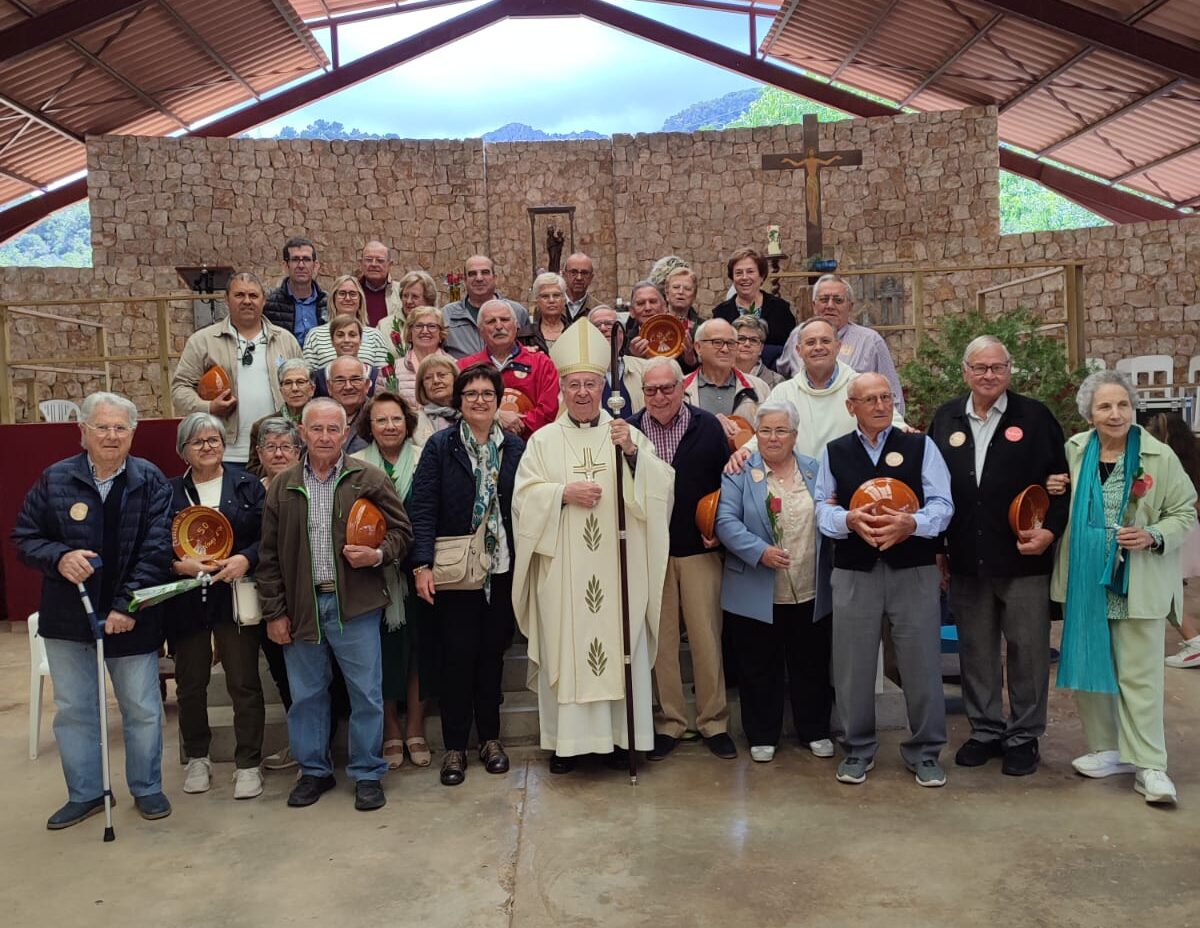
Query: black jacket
{"points": [[702, 453], [1026, 448], [242, 497], [280, 307], [63, 512], [443, 491]]}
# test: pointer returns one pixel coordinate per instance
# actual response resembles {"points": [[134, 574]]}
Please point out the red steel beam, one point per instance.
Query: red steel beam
{"points": [[1082, 24], [58, 25], [16, 219]]}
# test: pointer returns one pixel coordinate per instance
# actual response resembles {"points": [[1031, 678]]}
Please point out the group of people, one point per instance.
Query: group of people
{"points": [[543, 472]]}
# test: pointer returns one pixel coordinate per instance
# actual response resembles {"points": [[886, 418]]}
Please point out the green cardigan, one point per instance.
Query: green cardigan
{"points": [[1155, 578]]}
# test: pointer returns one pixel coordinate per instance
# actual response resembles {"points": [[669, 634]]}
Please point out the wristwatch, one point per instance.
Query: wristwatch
{"points": [[416, 571]]}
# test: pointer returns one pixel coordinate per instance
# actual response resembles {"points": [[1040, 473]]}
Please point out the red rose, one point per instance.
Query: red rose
{"points": [[1141, 486], [776, 505], [395, 337]]}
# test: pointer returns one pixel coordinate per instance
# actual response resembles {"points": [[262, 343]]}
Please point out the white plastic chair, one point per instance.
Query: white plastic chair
{"points": [[1193, 379], [39, 669], [59, 410], [1152, 365]]}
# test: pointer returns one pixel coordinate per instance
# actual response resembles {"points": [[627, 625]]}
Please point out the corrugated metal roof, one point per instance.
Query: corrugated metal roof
{"points": [[150, 71], [1126, 112]]}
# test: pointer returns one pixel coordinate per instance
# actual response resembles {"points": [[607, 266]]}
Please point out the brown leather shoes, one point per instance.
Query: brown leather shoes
{"points": [[493, 757], [454, 768]]}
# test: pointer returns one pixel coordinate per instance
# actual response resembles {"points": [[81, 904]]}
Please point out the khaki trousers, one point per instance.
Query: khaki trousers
{"points": [[1130, 720], [693, 588]]}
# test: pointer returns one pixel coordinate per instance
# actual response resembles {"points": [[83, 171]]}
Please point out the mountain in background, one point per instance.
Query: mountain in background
{"points": [[64, 240]]}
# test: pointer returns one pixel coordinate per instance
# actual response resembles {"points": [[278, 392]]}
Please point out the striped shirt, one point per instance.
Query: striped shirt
{"points": [[320, 520], [666, 438]]}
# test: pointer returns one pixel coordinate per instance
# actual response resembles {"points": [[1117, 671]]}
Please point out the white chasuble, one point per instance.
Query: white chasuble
{"points": [[567, 588]]}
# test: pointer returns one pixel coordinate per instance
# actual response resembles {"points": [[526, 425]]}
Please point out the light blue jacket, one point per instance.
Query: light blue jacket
{"points": [[748, 588]]}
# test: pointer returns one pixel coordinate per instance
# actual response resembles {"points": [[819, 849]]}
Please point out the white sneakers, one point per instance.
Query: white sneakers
{"points": [[1188, 654], [1156, 786], [762, 753], [199, 775], [1100, 764], [247, 783], [280, 760], [821, 748]]}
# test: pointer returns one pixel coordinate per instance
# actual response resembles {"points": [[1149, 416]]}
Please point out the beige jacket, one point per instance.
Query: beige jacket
{"points": [[216, 344]]}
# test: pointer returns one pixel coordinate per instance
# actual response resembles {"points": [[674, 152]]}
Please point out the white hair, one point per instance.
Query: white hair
{"points": [[1093, 382], [980, 342], [495, 302], [833, 279], [669, 363], [786, 407], [193, 424], [100, 398], [322, 402]]}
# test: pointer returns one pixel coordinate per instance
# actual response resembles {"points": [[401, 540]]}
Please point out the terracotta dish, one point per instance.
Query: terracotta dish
{"points": [[515, 401], [1028, 509], [213, 383], [744, 433], [706, 514], [202, 533], [886, 493], [665, 333], [365, 525]]}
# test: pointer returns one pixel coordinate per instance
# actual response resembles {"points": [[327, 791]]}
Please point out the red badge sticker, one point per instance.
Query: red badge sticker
{"points": [[1014, 433]]}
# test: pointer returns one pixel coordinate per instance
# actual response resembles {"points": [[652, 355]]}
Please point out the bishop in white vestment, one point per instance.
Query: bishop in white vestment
{"points": [[566, 584]]}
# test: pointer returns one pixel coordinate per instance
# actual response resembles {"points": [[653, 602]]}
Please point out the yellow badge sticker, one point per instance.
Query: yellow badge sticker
{"points": [[957, 439], [757, 475], [894, 459], [79, 512]]}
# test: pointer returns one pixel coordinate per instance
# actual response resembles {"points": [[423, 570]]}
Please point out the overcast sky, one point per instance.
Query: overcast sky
{"points": [[558, 75]]}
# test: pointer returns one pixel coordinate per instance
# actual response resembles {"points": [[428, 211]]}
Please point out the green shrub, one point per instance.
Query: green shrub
{"points": [[1040, 367]]}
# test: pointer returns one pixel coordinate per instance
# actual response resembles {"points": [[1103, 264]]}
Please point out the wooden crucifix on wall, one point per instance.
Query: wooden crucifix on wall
{"points": [[810, 161]]}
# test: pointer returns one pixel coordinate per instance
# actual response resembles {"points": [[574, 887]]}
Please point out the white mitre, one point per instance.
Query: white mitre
{"points": [[582, 347]]}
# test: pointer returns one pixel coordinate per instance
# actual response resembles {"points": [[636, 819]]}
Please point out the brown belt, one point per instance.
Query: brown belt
{"points": [[327, 587]]}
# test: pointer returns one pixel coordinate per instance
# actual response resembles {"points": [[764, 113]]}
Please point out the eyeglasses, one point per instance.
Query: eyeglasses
{"points": [[666, 389], [424, 326], [213, 441], [295, 383], [347, 381], [980, 370], [118, 430], [248, 355], [473, 395], [720, 344], [583, 387], [302, 259], [829, 298], [749, 340], [278, 449], [345, 295], [878, 399], [774, 433]]}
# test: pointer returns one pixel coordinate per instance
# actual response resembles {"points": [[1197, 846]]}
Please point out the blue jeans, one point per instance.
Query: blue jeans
{"points": [[355, 646], [77, 723]]}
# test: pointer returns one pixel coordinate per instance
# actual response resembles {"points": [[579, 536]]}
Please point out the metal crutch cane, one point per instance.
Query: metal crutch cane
{"points": [[98, 633]]}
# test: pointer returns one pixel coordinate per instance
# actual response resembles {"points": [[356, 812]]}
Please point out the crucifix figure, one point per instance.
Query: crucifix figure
{"points": [[810, 161], [589, 467]]}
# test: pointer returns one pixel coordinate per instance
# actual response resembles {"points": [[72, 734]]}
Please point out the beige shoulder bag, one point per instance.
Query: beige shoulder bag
{"points": [[461, 562]]}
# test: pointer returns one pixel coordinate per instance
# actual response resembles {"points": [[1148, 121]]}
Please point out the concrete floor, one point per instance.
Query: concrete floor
{"points": [[698, 842]]}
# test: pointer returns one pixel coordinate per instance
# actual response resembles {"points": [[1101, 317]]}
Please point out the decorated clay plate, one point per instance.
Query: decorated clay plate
{"points": [[706, 514], [213, 383], [1028, 509], [515, 401], [665, 333], [886, 493], [366, 524], [202, 533], [744, 433]]}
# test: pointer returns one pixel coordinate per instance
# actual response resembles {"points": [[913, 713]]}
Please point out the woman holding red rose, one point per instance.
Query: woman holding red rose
{"points": [[778, 598], [423, 336], [1118, 574]]}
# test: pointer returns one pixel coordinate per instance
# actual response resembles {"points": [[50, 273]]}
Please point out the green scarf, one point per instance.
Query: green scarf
{"points": [[485, 465]]}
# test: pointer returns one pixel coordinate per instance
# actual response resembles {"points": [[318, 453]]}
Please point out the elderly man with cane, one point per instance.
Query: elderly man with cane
{"points": [[100, 520]]}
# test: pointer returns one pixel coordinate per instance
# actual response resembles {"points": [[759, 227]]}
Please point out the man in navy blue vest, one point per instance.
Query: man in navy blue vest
{"points": [[884, 569], [996, 443]]}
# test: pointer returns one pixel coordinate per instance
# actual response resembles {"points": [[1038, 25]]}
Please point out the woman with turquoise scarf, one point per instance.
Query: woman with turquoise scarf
{"points": [[1118, 575], [388, 423]]}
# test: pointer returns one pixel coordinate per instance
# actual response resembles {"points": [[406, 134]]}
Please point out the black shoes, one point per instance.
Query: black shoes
{"points": [[493, 757], [663, 745], [368, 795], [151, 807], [721, 745], [617, 760], [75, 812], [560, 764], [454, 768], [1021, 760], [975, 753], [308, 789]]}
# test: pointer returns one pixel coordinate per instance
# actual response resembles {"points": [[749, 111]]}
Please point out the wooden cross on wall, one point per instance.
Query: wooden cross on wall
{"points": [[810, 161]]}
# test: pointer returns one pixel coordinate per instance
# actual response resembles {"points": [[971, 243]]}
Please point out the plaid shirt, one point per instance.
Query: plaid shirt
{"points": [[666, 438], [320, 520]]}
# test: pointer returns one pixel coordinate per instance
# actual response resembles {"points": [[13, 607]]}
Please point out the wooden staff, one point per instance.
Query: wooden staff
{"points": [[615, 404]]}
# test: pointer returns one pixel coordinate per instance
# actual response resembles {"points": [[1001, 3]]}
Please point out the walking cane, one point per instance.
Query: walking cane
{"points": [[98, 633], [616, 403]]}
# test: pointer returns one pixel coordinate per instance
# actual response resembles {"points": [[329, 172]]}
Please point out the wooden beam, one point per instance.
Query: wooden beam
{"points": [[949, 62], [61, 23], [1116, 114]]}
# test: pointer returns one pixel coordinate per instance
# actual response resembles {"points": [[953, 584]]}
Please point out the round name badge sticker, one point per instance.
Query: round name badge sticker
{"points": [[957, 439], [1014, 433], [79, 511], [894, 459]]}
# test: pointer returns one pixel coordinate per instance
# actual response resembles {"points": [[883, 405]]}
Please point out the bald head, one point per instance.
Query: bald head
{"points": [[375, 263], [578, 272]]}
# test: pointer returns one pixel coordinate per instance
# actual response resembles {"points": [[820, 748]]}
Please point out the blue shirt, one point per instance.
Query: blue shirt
{"points": [[306, 313], [932, 518]]}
